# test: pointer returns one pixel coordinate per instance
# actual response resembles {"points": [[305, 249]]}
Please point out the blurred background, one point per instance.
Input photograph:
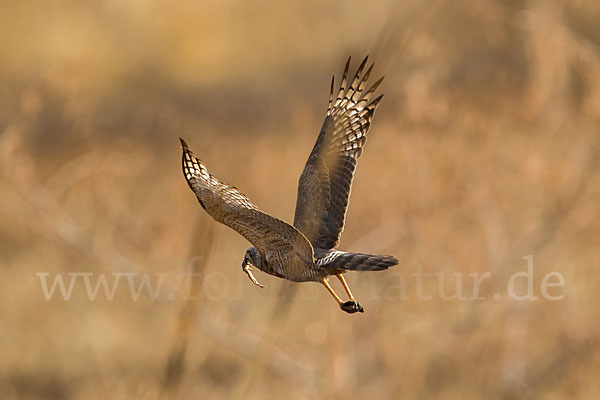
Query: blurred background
{"points": [[484, 151]]}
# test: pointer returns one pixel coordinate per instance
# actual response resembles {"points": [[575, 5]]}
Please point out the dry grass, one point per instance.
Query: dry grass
{"points": [[484, 150]]}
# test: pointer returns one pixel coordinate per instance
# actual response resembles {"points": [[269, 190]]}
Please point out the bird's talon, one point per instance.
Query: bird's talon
{"points": [[351, 307], [248, 271]]}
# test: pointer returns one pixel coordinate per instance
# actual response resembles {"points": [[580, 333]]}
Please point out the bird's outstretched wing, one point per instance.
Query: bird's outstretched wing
{"points": [[324, 186], [229, 206]]}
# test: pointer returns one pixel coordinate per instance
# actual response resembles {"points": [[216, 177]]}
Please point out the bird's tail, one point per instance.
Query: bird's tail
{"points": [[341, 260]]}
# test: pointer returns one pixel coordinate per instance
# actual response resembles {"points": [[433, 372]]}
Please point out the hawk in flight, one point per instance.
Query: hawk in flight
{"points": [[307, 250]]}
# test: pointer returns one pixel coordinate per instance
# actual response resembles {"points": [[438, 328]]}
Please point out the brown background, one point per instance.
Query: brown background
{"points": [[484, 150]]}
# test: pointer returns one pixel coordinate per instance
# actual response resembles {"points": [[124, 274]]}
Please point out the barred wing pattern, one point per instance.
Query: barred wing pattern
{"points": [[325, 183], [229, 206]]}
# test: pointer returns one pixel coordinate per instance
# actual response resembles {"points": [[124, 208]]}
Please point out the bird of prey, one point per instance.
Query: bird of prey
{"points": [[307, 250]]}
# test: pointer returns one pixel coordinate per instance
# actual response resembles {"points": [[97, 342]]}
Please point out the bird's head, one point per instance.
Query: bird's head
{"points": [[253, 258]]}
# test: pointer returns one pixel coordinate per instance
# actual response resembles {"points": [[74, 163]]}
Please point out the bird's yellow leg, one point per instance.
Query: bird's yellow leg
{"points": [[345, 285], [351, 306], [248, 271], [330, 289]]}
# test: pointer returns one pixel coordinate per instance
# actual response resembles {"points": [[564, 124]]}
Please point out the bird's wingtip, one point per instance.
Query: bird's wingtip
{"points": [[184, 144]]}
